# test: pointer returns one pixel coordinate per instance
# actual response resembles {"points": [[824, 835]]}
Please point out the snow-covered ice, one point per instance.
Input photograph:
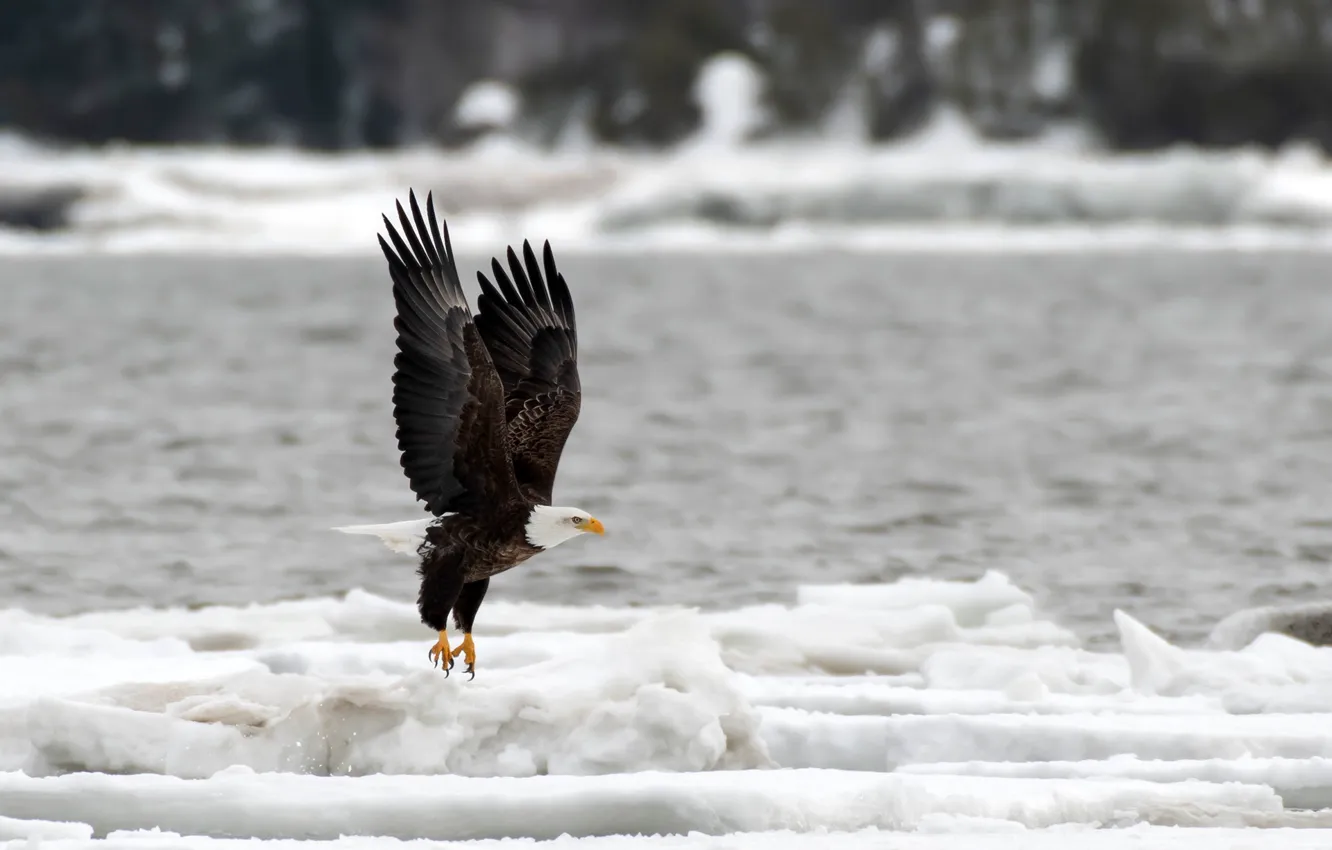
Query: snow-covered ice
{"points": [[939, 833], [32, 829], [728, 92], [1309, 621], [921, 713], [654, 697], [943, 188], [239, 803], [1301, 782], [487, 104]]}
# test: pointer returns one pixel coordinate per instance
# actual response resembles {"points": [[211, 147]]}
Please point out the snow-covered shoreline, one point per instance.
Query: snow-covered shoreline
{"points": [[942, 190]]}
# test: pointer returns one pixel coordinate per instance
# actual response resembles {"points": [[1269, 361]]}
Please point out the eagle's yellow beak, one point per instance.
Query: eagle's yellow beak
{"points": [[594, 525]]}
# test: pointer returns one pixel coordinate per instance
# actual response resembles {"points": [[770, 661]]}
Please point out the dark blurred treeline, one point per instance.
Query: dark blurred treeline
{"points": [[335, 74]]}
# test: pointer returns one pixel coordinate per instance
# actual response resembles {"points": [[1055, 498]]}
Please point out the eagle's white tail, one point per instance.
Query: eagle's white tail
{"points": [[404, 537]]}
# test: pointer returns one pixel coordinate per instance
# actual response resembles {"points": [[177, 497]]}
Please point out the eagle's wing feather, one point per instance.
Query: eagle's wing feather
{"points": [[527, 321], [448, 400]]}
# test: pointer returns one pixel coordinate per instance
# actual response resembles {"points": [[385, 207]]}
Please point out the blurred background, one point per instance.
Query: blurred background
{"points": [[584, 89], [865, 290], [1141, 74]]}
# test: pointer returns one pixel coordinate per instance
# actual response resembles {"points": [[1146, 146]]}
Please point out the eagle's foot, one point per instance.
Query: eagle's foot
{"points": [[467, 650], [439, 653]]}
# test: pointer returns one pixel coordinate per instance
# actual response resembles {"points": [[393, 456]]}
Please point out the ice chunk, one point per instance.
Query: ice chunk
{"points": [[870, 697], [31, 636], [807, 739], [26, 677], [1040, 670], [728, 91], [315, 718], [1271, 673], [1310, 622], [936, 832], [360, 616], [1302, 783], [487, 104], [37, 831], [240, 803], [910, 620], [656, 697], [1153, 663], [970, 602]]}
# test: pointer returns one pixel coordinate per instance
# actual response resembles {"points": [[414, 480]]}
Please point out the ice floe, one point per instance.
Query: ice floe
{"points": [[238, 802], [926, 710], [942, 188]]}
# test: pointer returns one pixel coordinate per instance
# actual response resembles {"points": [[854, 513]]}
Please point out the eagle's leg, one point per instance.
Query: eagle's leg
{"points": [[464, 614], [441, 581]]}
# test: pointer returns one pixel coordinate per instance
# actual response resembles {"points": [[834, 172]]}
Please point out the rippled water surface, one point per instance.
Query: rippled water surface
{"points": [[1148, 432]]}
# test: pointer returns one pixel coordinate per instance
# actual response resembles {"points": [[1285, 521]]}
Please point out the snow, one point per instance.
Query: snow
{"points": [[1273, 673], [31, 830], [240, 803], [1301, 782], [1312, 620], [937, 833], [487, 104], [728, 91], [887, 743], [943, 188], [971, 602], [920, 713], [654, 697]]}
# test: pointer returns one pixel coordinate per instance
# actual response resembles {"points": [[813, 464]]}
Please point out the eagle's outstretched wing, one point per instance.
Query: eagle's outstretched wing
{"points": [[448, 400], [528, 326]]}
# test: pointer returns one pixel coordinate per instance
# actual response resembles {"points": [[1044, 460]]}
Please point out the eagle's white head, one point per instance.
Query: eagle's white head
{"points": [[548, 527]]}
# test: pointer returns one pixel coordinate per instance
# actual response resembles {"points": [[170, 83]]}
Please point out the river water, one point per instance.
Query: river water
{"points": [[1146, 431]]}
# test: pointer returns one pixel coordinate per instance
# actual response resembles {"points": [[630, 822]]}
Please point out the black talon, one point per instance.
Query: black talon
{"points": [[471, 668], [443, 660]]}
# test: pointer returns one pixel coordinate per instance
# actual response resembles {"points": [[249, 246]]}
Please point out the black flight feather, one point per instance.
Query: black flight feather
{"points": [[448, 398], [526, 319]]}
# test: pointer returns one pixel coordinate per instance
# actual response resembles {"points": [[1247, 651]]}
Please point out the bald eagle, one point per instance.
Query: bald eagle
{"points": [[483, 407]]}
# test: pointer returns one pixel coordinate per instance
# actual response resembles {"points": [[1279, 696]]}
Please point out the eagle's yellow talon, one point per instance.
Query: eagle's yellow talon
{"points": [[467, 650], [439, 653]]}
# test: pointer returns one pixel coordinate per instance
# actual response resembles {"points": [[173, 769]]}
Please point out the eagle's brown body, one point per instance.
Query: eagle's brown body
{"points": [[458, 558], [486, 550]]}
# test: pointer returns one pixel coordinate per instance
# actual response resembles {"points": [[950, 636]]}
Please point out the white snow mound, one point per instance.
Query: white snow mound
{"points": [[944, 708], [240, 803], [1272, 673], [936, 832], [656, 697], [941, 189]]}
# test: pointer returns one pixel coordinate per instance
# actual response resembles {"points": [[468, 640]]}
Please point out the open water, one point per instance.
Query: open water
{"points": [[1149, 431]]}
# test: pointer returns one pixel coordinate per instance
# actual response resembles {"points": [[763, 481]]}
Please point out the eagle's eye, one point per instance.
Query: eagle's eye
{"points": [[577, 520]]}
